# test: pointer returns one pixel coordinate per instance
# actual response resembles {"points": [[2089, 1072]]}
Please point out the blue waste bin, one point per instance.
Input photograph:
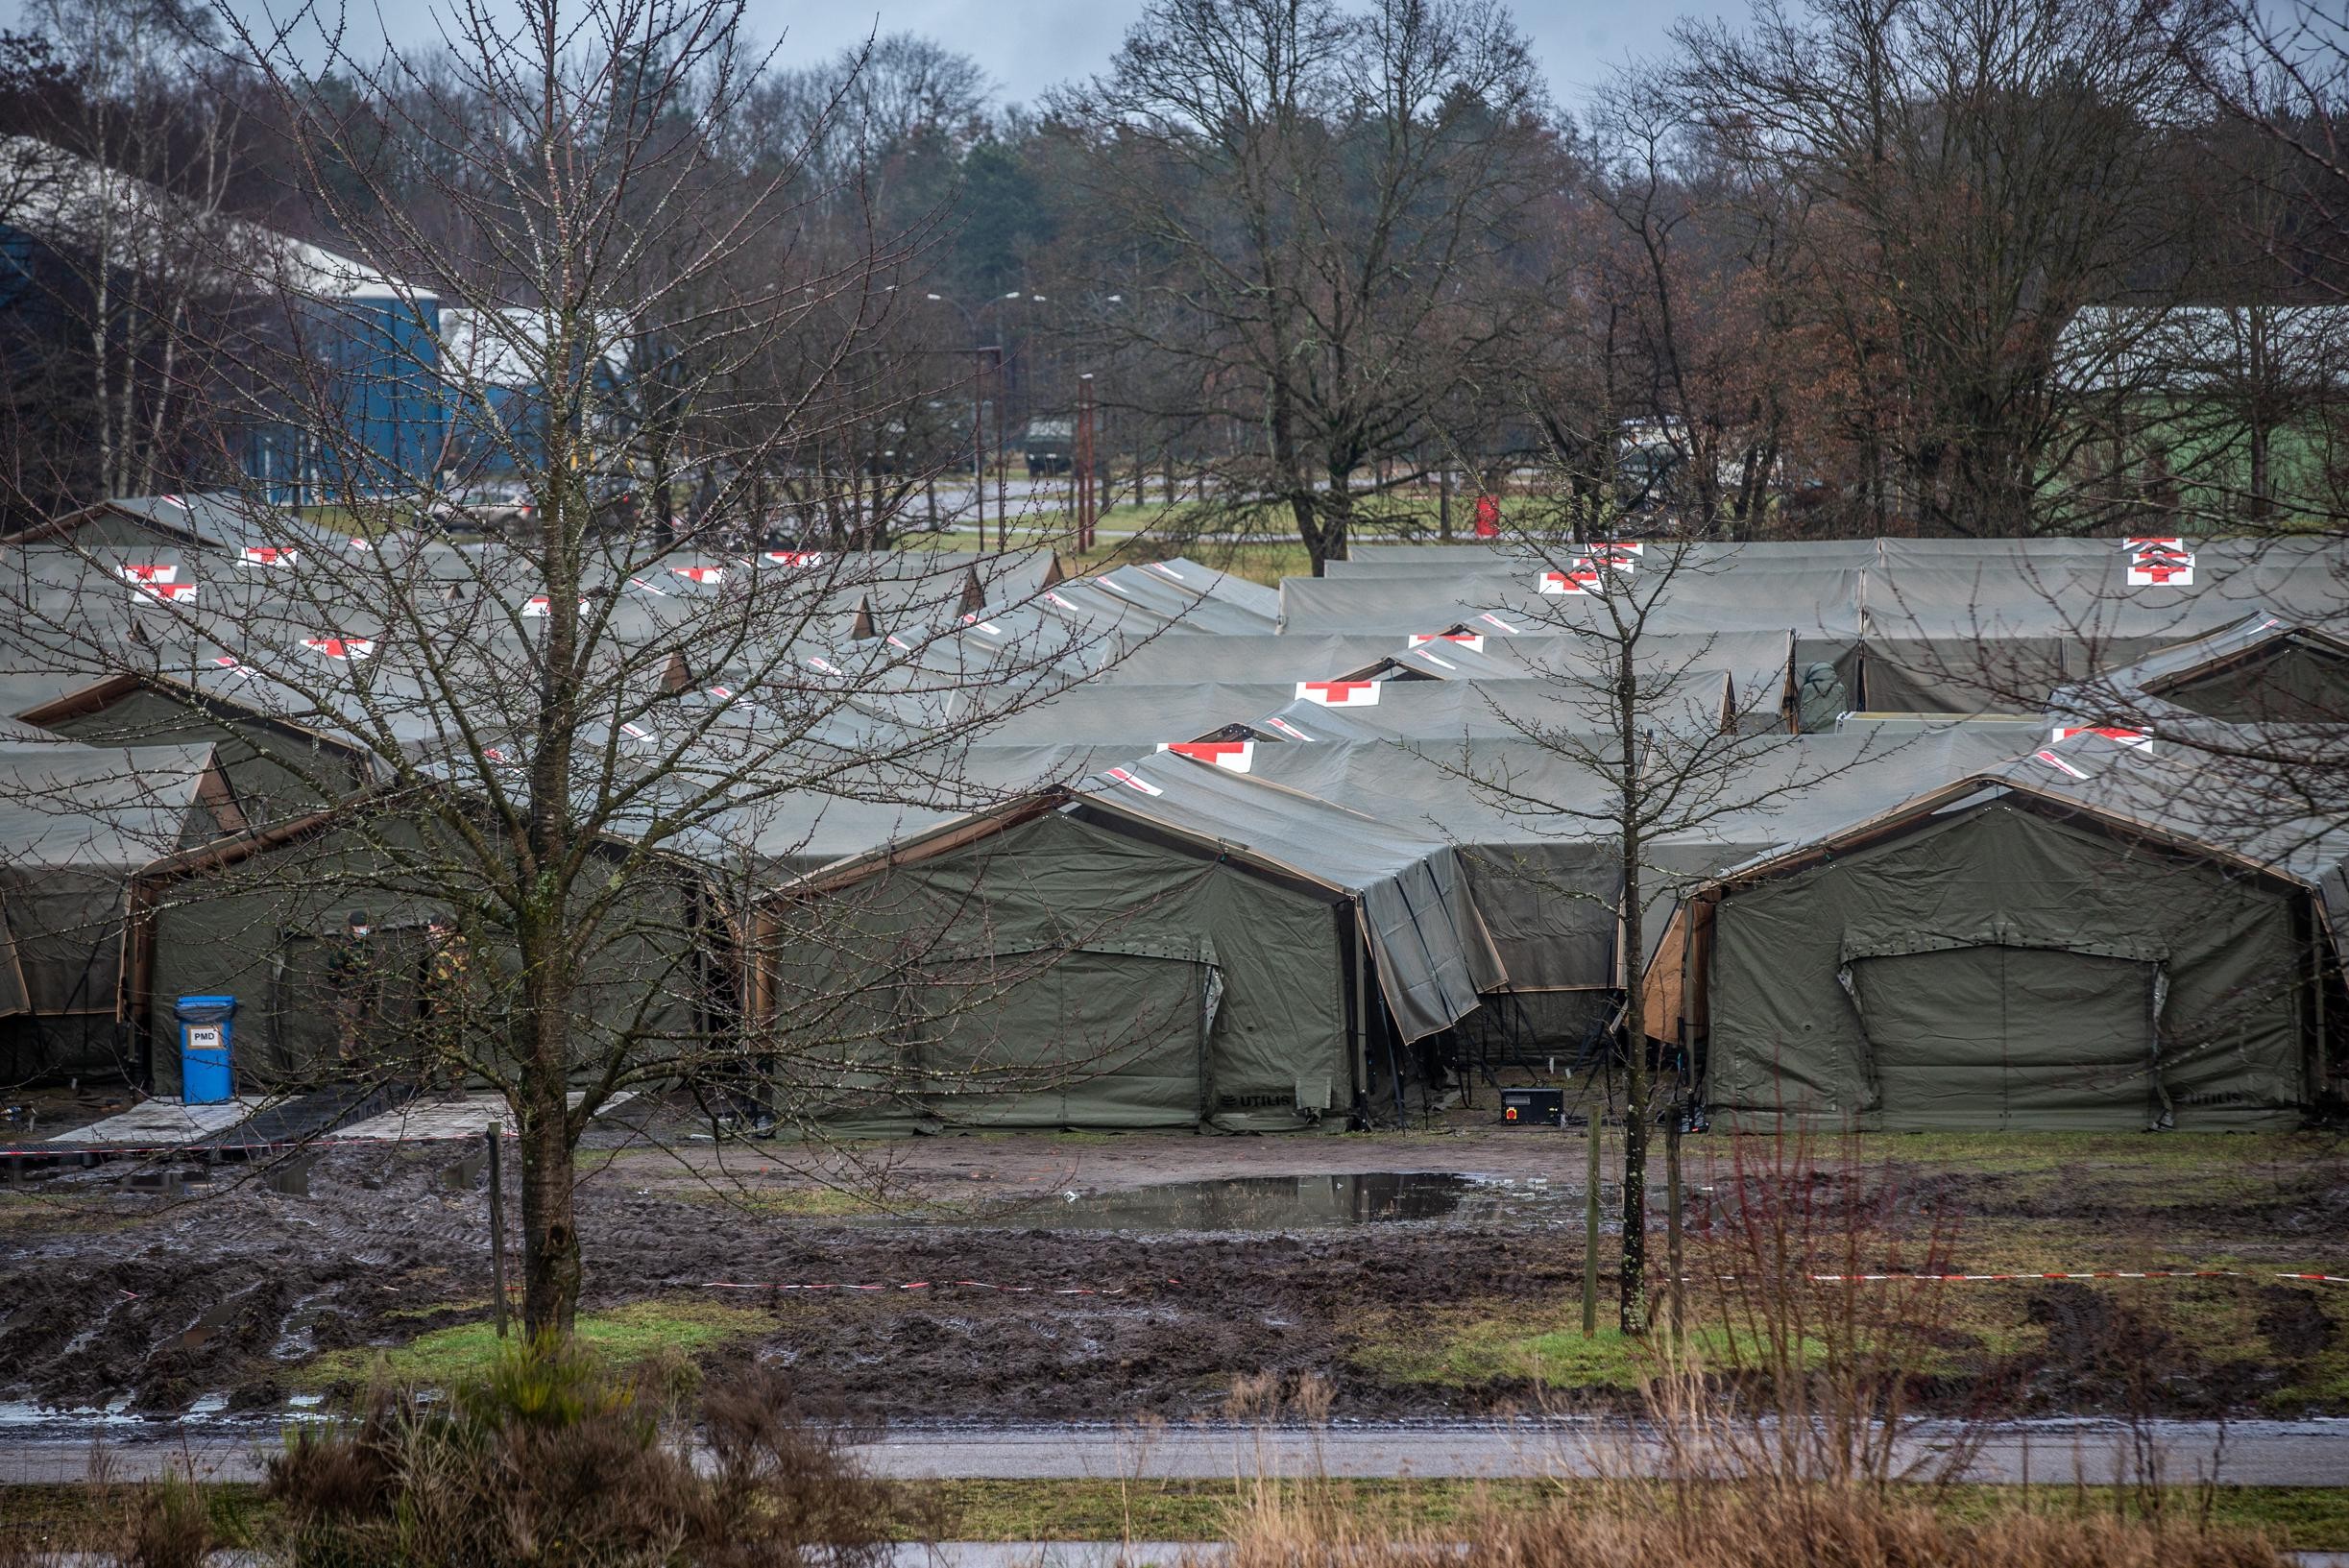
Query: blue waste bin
{"points": [[206, 1077]]}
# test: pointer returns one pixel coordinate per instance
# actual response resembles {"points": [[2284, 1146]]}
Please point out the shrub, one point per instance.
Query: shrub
{"points": [[549, 1458]]}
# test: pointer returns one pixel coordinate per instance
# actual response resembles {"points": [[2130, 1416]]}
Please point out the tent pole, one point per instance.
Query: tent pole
{"points": [[1394, 1075], [1358, 1066], [2316, 946]]}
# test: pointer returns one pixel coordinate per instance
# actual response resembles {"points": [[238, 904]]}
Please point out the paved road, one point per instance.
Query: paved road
{"points": [[2251, 1452], [2262, 1452]]}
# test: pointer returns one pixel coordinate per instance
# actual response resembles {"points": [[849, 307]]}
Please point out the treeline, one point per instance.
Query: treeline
{"points": [[1973, 267]]}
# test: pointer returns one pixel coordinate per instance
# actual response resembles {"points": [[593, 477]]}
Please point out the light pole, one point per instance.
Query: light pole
{"points": [[978, 459], [1085, 498]]}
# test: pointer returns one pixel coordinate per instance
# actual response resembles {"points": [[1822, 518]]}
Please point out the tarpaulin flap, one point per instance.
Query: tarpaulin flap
{"points": [[13, 998], [2003, 933]]}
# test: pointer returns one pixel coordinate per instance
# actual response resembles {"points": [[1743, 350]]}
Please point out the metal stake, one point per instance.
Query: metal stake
{"points": [[1593, 1125], [495, 1137]]}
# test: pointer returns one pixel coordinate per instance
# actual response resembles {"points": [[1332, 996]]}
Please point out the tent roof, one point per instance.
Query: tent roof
{"points": [[2189, 803], [110, 807], [2135, 692]]}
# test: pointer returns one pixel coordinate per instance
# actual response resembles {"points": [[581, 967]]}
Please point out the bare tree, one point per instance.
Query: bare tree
{"points": [[1984, 171], [585, 750], [1662, 747], [125, 194], [1309, 200]]}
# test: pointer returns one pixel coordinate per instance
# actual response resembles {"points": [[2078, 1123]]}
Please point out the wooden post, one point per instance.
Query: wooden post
{"points": [[1672, 1216], [1593, 1125], [494, 1136], [1684, 1088]]}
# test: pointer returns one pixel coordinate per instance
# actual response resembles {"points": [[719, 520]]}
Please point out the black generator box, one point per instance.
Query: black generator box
{"points": [[1532, 1107]]}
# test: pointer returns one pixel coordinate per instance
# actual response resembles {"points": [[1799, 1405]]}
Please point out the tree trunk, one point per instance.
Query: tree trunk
{"points": [[1337, 521], [2262, 485], [2256, 425], [1633, 1317], [550, 1238]]}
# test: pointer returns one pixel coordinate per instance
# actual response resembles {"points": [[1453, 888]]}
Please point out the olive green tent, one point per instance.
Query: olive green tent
{"points": [[2066, 941], [1049, 966], [2267, 669], [77, 823], [275, 768], [259, 917]]}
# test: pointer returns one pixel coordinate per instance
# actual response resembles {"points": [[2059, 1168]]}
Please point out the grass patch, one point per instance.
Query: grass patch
{"points": [[802, 1203], [2303, 1518], [1543, 1346], [2198, 1328], [622, 1338], [29, 1214]]}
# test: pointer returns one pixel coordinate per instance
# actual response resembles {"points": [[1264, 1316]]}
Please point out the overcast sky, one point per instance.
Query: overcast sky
{"points": [[1026, 45]]}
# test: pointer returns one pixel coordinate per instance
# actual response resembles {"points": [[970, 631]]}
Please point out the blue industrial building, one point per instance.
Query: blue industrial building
{"points": [[356, 405], [378, 420]]}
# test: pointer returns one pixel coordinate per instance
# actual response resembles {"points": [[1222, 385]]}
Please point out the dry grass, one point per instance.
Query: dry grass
{"points": [[168, 1522], [1780, 1426], [1756, 1525]]}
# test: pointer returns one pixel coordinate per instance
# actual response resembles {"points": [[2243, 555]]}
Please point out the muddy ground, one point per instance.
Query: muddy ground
{"points": [[234, 1288]]}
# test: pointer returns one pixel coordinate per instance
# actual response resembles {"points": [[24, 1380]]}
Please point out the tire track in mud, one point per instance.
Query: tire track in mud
{"points": [[227, 1290]]}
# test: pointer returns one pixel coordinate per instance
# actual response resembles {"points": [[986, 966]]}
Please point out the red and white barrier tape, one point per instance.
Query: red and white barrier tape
{"points": [[2093, 1273], [72, 1151], [2096, 1274], [933, 1284]]}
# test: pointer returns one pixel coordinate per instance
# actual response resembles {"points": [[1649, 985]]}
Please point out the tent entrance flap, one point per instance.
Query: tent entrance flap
{"points": [[1085, 1038], [1991, 1036]]}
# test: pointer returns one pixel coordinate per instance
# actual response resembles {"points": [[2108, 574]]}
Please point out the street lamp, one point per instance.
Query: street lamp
{"points": [[979, 461]]}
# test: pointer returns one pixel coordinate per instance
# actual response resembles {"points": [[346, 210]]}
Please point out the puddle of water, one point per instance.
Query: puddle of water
{"points": [[1296, 1203], [19, 1416], [215, 1318], [290, 1178]]}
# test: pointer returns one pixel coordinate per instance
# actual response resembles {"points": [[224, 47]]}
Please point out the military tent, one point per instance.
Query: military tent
{"points": [[2266, 669], [1050, 965], [2082, 938], [259, 917], [77, 825]]}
